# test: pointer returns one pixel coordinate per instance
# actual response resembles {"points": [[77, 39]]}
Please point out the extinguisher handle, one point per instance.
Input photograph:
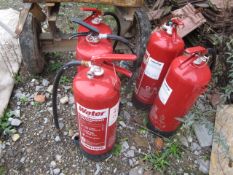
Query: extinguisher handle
{"points": [[113, 57], [90, 9], [119, 69], [105, 61], [196, 50], [84, 24]]}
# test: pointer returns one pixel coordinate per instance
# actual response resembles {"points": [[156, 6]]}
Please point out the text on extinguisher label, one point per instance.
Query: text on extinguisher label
{"points": [[93, 127], [165, 92], [153, 68]]}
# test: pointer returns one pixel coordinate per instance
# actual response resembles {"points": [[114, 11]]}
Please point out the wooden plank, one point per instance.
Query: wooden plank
{"points": [[50, 4], [222, 150], [37, 12], [123, 3], [59, 46]]}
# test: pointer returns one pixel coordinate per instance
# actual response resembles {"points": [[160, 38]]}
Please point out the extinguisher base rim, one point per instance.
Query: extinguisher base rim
{"points": [[139, 105], [159, 132], [96, 158]]}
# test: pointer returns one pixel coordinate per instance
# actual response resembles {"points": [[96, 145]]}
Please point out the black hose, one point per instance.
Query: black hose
{"points": [[79, 34], [121, 39], [118, 25], [86, 25], [55, 87]]}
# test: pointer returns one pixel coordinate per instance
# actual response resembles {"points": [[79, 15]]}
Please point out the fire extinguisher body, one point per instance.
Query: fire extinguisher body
{"points": [[184, 82], [97, 103], [162, 48], [85, 49], [96, 90]]}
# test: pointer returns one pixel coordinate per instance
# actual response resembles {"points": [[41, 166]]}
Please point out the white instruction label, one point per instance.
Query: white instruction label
{"points": [[164, 92], [113, 114], [153, 69], [93, 127]]}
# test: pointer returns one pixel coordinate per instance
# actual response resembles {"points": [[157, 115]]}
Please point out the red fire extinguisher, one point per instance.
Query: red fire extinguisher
{"points": [[163, 46], [95, 42], [97, 96], [187, 77]]}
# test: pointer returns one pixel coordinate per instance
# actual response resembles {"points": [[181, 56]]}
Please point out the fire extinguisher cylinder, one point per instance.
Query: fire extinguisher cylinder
{"points": [[97, 96], [96, 43], [163, 46], [187, 77]]}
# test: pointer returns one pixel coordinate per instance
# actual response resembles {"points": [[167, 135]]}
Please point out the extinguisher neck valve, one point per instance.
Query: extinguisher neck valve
{"points": [[91, 38], [95, 71], [200, 59], [97, 20], [168, 29]]}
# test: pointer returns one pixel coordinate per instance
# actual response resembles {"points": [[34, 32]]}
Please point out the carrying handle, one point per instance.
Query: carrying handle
{"points": [[196, 50], [119, 69], [113, 57], [84, 24], [106, 61], [194, 53]]}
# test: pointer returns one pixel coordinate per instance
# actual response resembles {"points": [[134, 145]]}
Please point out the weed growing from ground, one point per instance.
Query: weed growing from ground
{"points": [[160, 160], [117, 150], [3, 170], [118, 147], [36, 104], [18, 78], [24, 100], [65, 80], [53, 67], [4, 123]]}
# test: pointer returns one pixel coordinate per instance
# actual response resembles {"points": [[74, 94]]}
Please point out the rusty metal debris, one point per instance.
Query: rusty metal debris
{"points": [[191, 18], [218, 13]]}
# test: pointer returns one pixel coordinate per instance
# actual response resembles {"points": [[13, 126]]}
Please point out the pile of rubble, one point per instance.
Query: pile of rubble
{"points": [[218, 13]]}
